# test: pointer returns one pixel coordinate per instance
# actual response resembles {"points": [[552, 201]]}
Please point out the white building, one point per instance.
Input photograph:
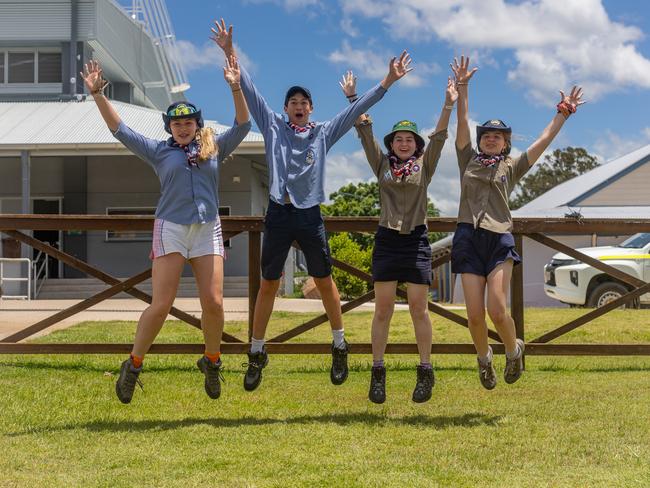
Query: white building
{"points": [[56, 154]]}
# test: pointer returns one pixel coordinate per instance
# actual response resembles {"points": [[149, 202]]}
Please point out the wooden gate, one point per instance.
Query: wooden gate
{"points": [[535, 229]]}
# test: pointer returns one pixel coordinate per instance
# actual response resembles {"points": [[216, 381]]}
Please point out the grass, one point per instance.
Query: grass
{"points": [[568, 422]]}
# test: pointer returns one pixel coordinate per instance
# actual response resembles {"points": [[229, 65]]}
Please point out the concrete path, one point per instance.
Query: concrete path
{"points": [[18, 314]]}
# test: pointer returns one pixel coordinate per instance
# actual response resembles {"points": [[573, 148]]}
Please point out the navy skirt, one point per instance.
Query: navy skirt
{"points": [[402, 257], [479, 251]]}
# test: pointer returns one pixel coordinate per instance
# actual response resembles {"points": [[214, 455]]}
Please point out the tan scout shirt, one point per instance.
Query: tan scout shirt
{"points": [[485, 190], [404, 200]]}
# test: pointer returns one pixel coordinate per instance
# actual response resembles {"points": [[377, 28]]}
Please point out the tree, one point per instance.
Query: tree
{"points": [[560, 166], [362, 199]]}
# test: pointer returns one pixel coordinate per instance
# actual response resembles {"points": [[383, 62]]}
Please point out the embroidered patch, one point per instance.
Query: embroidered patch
{"points": [[416, 168], [310, 158], [503, 178]]}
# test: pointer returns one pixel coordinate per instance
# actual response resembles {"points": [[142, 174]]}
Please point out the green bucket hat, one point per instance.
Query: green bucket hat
{"points": [[404, 126]]}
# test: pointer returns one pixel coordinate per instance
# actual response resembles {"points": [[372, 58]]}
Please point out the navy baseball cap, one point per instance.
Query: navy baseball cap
{"points": [[297, 89]]}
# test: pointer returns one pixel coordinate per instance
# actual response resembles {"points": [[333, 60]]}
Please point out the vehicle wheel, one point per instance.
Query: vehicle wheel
{"points": [[608, 292]]}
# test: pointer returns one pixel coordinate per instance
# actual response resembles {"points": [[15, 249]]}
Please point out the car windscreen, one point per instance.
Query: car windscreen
{"points": [[636, 241]]}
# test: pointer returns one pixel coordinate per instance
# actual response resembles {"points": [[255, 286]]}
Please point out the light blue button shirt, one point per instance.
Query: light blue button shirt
{"points": [[297, 160], [189, 194]]}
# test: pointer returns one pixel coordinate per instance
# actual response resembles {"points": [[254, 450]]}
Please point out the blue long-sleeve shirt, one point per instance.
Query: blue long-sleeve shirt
{"points": [[189, 194], [296, 161]]}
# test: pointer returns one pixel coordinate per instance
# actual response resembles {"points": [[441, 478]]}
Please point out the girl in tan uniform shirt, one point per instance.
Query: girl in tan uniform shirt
{"points": [[402, 252], [483, 248]]}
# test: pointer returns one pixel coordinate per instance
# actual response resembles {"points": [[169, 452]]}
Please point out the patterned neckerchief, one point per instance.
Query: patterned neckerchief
{"points": [[489, 161], [402, 169], [300, 129], [192, 152]]}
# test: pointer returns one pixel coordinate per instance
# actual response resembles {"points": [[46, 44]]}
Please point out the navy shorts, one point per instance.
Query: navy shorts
{"points": [[284, 224], [402, 257], [479, 251]]}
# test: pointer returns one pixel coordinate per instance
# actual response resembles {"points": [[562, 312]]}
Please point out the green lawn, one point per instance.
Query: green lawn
{"points": [[568, 422]]}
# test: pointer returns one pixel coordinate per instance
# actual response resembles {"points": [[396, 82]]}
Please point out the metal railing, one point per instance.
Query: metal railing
{"points": [[3, 278], [40, 273]]}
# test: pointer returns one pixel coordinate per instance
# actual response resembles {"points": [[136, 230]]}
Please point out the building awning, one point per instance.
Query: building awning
{"points": [[76, 128]]}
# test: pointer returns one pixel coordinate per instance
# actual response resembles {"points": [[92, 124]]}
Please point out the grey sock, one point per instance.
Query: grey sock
{"points": [[516, 354], [486, 359], [257, 345], [338, 336]]}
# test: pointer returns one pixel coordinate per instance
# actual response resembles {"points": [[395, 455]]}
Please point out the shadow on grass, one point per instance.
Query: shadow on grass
{"points": [[474, 419]]}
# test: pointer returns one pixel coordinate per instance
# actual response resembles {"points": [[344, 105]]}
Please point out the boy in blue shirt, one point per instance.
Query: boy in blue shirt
{"points": [[295, 152]]}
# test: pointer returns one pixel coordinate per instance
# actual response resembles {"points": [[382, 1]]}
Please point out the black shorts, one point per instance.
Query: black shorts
{"points": [[479, 251], [284, 224], [402, 257]]}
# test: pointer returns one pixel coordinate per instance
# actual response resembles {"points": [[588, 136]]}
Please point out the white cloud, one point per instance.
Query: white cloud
{"points": [[288, 4], [208, 55], [370, 64], [345, 168], [611, 145], [556, 43]]}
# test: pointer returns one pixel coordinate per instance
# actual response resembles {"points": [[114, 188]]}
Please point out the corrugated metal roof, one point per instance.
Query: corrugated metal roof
{"points": [[637, 212], [573, 189], [78, 123]]}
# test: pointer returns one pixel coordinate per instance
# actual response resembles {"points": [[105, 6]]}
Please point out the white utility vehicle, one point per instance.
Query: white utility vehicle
{"points": [[575, 283]]}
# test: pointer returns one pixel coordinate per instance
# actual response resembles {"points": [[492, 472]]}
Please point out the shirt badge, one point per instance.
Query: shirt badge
{"points": [[503, 178], [416, 168], [310, 158]]}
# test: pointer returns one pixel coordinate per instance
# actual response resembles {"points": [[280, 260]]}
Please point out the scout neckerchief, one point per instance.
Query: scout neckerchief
{"points": [[192, 152], [402, 169], [488, 161], [300, 129]]}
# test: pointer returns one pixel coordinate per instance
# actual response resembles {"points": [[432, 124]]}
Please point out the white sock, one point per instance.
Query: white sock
{"points": [[338, 336], [488, 358], [257, 345], [514, 354]]}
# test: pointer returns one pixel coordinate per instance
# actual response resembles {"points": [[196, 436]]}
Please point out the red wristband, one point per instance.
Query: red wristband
{"points": [[566, 109]]}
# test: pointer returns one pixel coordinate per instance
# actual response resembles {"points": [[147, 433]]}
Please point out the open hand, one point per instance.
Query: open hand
{"points": [[92, 76], [574, 98], [398, 67], [348, 84], [222, 36], [462, 73], [451, 94], [231, 71]]}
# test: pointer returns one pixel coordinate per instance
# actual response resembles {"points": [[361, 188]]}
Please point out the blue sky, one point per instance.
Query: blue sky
{"points": [[525, 51]]}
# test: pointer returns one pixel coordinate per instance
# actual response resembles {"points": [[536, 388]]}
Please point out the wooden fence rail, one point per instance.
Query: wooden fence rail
{"points": [[535, 229]]}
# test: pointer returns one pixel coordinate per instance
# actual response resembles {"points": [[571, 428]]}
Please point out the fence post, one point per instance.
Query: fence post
{"points": [[254, 272], [517, 290]]}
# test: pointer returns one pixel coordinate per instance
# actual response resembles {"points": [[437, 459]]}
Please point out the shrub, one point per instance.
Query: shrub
{"points": [[345, 249]]}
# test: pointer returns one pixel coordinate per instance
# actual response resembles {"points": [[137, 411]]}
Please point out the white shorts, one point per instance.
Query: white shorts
{"points": [[191, 240]]}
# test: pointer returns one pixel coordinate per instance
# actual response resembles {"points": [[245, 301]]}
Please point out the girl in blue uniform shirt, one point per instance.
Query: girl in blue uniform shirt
{"points": [[187, 226]]}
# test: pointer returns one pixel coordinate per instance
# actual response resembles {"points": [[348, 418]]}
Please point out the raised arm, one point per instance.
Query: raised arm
{"points": [[462, 75], [363, 124], [232, 75], [259, 109], [567, 106], [439, 136], [95, 84], [451, 95], [229, 140], [339, 125], [141, 146]]}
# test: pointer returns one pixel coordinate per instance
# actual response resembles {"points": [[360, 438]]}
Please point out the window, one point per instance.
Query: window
{"points": [[21, 67], [2, 67], [129, 235], [49, 67]]}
